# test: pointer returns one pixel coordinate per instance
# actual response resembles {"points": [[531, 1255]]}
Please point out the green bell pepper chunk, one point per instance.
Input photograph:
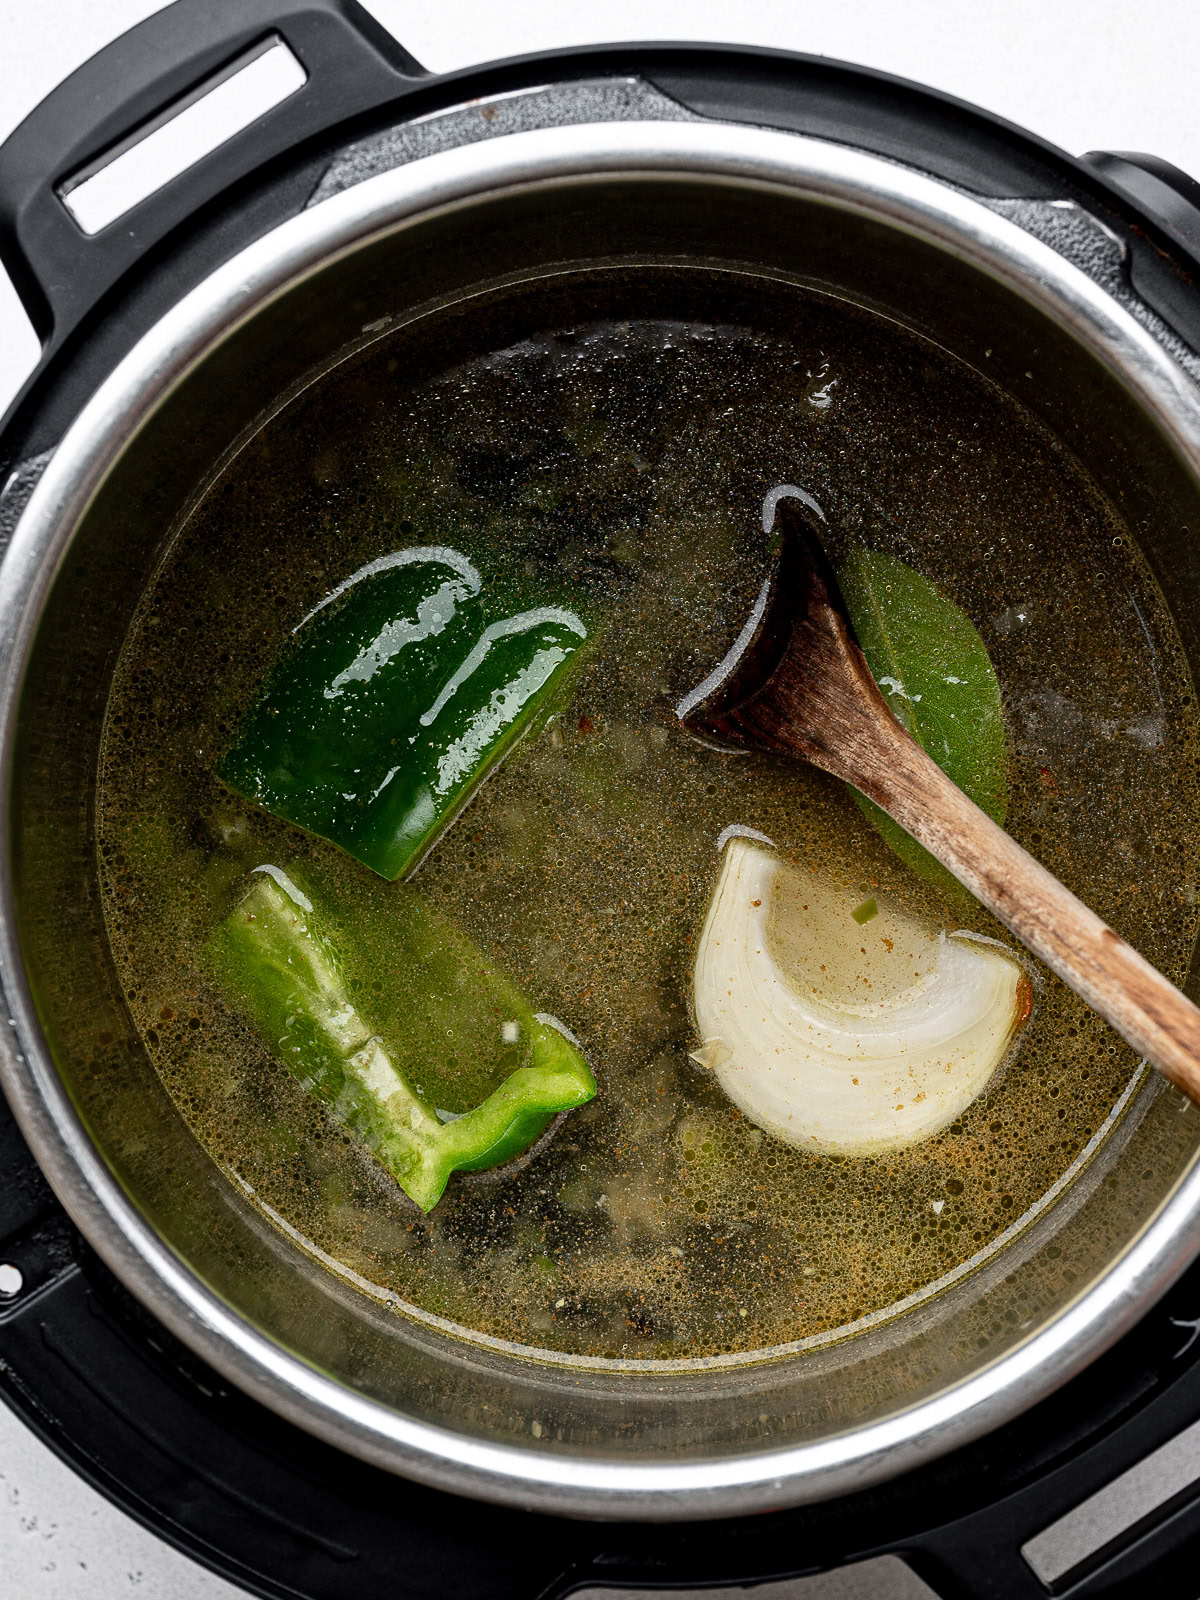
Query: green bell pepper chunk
{"points": [[396, 700], [280, 967]]}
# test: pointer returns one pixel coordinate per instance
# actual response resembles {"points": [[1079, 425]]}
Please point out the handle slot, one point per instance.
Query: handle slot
{"points": [[876, 1578], [134, 148], [183, 133], [1112, 1518]]}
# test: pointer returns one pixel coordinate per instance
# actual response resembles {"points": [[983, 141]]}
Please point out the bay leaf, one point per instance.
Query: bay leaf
{"points": [[926, 655]]}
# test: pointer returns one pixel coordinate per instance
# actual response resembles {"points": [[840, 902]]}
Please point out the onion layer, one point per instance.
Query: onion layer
{"points": [[838, 1037]]}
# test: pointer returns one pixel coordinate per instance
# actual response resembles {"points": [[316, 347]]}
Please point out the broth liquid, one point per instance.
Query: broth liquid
{"points": [[623, 463]]}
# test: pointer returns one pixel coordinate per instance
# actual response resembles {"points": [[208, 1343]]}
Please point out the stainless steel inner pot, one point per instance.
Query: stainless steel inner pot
{"points": [[323, 1352]]}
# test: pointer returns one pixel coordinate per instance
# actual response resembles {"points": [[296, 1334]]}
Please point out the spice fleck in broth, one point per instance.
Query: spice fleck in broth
{"points": [[623, 463]]}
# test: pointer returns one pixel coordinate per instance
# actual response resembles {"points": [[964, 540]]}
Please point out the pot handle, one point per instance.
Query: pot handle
{"points": [[1170, 197], [60, 272]]}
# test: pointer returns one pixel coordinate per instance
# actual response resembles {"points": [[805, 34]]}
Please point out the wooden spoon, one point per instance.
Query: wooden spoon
{"points": [[796, 683]]}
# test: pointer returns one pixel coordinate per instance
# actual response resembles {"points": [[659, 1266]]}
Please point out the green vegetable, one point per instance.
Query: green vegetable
{"points": [[279, 965], [927, 657], [399, 694], [863, 914]]}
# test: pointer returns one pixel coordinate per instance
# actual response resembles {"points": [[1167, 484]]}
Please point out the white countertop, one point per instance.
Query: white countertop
{"points": [[1085, 74]]}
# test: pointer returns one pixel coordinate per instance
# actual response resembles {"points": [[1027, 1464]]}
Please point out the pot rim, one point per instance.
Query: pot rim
{"points": [[845, 179]]}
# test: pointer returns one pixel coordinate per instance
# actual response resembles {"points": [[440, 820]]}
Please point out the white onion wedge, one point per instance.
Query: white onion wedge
{"points": [[836, 1037]]}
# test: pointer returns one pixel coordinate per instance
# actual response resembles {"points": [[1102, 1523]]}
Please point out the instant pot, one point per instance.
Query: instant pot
{"points": [[275, 1419]]}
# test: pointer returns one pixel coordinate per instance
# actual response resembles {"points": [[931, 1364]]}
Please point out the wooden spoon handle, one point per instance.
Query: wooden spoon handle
{"points": [[1158, 1021]]}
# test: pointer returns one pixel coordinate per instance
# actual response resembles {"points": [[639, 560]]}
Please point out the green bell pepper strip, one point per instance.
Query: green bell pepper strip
{"points": [[281, 969], [396, 699]]}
